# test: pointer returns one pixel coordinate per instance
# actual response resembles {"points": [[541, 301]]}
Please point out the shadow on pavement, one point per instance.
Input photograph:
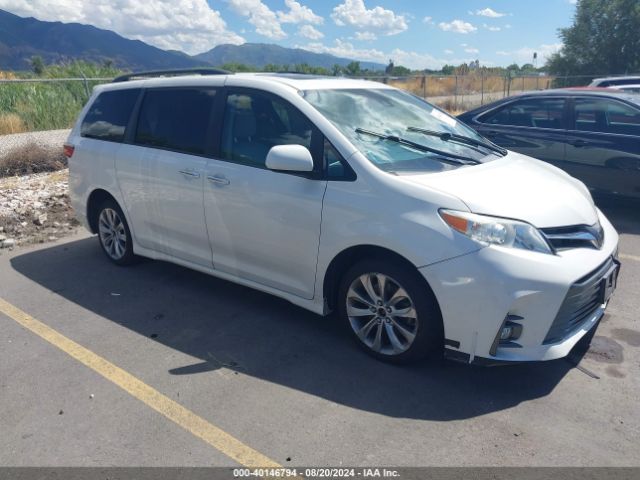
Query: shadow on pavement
{"points": [[224, 324]]}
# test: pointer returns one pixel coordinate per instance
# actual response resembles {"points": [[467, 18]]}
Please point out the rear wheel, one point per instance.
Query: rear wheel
{"points": [[114, 234], [390, 311]]}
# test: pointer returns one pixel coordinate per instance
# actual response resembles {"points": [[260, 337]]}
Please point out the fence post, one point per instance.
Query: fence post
{"points": [[86, 85], [455, 95], [481, 88], [424, 87]]}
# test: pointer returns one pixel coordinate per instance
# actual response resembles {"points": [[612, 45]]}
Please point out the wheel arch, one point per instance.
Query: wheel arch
{"points": [[349, 257], [96, 198]]}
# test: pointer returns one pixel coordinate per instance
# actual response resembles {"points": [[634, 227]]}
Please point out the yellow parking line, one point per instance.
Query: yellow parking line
{"points": [[624, 256], [198, 426]]}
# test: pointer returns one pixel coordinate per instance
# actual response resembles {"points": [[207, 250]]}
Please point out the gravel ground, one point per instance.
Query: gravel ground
{"points": [[34, 208], [48, 138]]}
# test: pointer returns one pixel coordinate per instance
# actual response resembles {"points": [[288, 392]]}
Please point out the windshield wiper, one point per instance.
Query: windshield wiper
{"points": [[448, 157], [446, 137]]}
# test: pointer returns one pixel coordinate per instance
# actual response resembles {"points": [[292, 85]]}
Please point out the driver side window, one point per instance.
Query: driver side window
{"points": [[255, 122], [533, 112]]}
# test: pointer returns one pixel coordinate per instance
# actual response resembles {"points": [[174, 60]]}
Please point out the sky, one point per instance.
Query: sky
{"points": [[416, 34]]}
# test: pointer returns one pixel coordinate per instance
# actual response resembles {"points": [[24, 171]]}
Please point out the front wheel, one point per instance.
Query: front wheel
{"points": [[391, 311], [114, 234]]}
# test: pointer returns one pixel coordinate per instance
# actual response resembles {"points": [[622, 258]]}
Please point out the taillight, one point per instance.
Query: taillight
{"points": [[68, 150]]}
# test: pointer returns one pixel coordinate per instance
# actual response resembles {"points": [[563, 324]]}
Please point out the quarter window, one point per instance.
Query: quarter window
{"points": [[606, 116], [109, 114], [176, 119], [536, 113], [254, 122]]}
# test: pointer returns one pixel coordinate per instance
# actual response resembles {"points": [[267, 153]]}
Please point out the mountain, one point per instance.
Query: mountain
{"points": [[261, 54], [21, 38]]}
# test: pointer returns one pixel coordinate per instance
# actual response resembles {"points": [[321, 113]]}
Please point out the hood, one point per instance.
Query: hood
{"points": [[517, 187]]}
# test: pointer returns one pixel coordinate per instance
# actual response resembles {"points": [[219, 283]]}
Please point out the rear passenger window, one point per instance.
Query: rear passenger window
{"points": [[606, 116], [109, 114], [176, 119], [533, 112], [254, 122]]}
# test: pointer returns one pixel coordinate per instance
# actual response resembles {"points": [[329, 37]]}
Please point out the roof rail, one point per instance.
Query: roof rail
{"points": [[171, 73]]}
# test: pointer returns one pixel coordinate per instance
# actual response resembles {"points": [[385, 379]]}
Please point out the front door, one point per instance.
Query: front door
{"points": [[264, 225]]}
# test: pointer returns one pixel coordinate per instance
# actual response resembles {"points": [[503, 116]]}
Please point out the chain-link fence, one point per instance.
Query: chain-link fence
{"points": [[53, 103], [457, 93]]}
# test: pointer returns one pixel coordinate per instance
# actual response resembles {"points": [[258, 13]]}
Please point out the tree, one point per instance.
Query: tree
{"points": [[336, 70], [353, 68], [448, 70], [37, 65], [602, 40]]}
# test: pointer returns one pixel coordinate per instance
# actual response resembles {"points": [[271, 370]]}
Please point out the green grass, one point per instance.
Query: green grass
{"points": [[51, 105]]}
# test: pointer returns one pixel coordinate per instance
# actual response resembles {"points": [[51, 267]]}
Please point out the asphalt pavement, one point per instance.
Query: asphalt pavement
{"points": [[157, 365]]}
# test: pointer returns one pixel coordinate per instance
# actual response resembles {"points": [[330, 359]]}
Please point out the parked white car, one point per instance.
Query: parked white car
{"points": [[633, 88], [615, 81], [349, 196]]}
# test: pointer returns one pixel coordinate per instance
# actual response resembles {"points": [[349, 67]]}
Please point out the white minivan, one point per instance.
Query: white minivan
{"points": [[348, 196]]}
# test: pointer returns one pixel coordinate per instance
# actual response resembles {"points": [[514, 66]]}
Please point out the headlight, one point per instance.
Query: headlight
{"points": [[496, 231]]}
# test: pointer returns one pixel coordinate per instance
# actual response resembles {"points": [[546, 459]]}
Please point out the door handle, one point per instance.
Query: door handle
{"points": [[580, 143], [190, 173], [218, 180]]}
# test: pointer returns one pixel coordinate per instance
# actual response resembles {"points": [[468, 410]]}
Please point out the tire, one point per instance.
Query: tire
{"points": [[386, 333], [114, 234]]}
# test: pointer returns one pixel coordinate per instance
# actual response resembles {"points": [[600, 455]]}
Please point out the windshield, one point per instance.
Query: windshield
{"points": [[393, 113]]}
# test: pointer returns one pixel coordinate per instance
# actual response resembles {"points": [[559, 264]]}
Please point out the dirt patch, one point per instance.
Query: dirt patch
{"points": [[35, 209], [605, 350], [630, 337]]}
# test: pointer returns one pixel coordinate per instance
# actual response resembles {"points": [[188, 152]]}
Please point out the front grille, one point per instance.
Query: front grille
{"points": [[581, 301], [575, 236]]}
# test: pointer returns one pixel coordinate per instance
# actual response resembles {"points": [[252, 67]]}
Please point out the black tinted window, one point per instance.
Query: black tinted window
{"points": [[538, 113], [175, 119], [109, 114], [606, 116], [254, 122]]}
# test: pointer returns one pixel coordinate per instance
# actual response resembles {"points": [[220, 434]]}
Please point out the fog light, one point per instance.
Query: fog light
{"points": [[506, 332], [509, 331]]}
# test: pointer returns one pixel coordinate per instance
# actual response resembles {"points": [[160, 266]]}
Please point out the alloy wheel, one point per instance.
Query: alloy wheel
{"points": [[382, 314], [113, 234]]}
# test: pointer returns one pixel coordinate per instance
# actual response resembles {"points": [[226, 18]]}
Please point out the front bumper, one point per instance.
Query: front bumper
{"points": [[478, 291]]}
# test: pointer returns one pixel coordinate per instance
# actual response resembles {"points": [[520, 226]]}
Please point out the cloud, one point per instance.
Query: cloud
{"points": [[457, 26], [413, 60], [309, 32], [472, 50], [365, 36], [188, 25], [491, 28], [428, 20], [448, 52], [299, 14], [488, 12], [260, 16], [353, 13]]}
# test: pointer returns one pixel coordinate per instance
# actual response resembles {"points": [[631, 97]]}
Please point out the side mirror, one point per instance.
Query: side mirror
{"points": [[291, 158]]}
